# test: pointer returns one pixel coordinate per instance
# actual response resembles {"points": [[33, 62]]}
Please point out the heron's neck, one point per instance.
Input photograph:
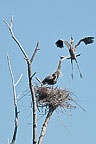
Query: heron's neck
{"points": [[59, 66], [72, 45]]}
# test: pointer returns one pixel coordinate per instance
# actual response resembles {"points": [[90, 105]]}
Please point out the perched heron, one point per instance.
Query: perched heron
{"points": [[86, 40], [52, 79]]}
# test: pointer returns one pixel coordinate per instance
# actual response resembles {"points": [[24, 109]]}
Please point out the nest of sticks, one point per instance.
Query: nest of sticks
{"points": [[49, 97]]}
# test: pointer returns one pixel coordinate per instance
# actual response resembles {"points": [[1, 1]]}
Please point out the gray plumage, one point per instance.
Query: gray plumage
{"points": [[52, 79]]}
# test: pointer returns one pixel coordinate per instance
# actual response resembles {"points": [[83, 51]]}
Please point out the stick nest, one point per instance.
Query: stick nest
{"points": [[53, 97]]}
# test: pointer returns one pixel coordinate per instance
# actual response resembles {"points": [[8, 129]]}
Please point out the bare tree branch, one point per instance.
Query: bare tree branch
{"points": [[18, 80], [51, 110], [18, 96], [34, 104], [15, 103], [30, 80], [12, 34], [39, 81], [33, 74], [34, 52], [11, 22]]}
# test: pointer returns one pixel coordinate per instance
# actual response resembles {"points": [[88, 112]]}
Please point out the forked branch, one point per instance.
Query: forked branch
{"points": [[30, 79], [18, 80], [34, 52], [15, 102], [12, 34]]}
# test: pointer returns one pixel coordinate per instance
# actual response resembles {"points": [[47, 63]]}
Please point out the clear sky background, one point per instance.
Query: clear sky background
{"points": [[46, 22]]}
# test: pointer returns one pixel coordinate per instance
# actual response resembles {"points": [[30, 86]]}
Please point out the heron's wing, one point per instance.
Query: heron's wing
{"points": [[67, 44], [59, 43], [86, 40], [48, 77]]}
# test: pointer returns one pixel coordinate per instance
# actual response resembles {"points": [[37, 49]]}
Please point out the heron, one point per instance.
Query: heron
{"points": [[73, 56], [52, 79]]}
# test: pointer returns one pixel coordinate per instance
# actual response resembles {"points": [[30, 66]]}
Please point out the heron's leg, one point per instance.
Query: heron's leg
{"points": [[79, 69], [72, 68]]}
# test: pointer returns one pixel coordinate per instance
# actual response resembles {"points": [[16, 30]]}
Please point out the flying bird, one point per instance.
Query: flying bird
{"points": [[73, 56], [52, 79]]}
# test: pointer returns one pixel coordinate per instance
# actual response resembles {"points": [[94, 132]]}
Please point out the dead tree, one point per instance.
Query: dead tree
{"points": [[47, 98], [30, 76], [15, 101]]}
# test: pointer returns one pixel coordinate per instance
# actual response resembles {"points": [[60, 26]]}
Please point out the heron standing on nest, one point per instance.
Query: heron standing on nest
{"points": [[52, 79], [86, 40]]}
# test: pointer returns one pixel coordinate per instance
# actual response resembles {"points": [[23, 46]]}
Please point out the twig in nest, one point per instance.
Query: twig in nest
{"points": [[54, 97]]}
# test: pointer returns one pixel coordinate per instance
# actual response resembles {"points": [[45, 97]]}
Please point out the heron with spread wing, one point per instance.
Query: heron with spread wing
{"points": [[86, 40], [52, 79]]}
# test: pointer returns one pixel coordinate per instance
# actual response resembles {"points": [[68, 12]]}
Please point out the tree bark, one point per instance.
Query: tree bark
{"points": [[51, 110]]}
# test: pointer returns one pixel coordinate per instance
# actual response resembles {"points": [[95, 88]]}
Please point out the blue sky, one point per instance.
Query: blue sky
{"points": [[46, 22]]}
